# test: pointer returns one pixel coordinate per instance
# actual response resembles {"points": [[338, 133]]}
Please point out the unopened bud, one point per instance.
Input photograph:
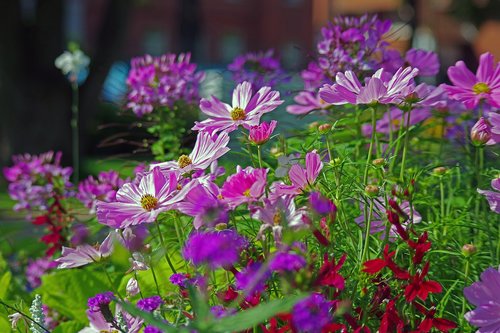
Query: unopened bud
{"points": [[221, 226], [372, 190], [468, 250], [480, 133], [335, 162], [324, 128], [132, 287], [439, 171], [147, 248], [379, 162], [313, 125]]}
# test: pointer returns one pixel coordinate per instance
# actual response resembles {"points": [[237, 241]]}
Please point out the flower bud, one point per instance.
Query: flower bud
{"points": [[468, 250], [480, 133], [379, 162], [132, 287], [439, 171], [372, 190], [313, 125], [324, 128], [261, 133], [221, 226]]}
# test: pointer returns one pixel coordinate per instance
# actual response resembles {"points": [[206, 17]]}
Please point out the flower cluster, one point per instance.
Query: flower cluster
{"points": [[162, 81]]}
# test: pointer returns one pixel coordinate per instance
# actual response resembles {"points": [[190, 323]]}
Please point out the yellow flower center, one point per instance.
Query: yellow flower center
{"points": [[238, 114], [184, 161], [277, 218], [247, 193], [480, 88], [148, 202]]}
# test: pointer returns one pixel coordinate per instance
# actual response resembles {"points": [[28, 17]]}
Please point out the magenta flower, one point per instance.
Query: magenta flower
{"points": [[245, 185], [301, 177], [214, 249], [493, 197], [85, 254], [141, 202], [287, 262], [150, 304], [207, 149], [276, 214], [246, 109], [485, 295], [311, 314], [252, 278], [261, 133], [103, 188], [470, 89], [427, 62], [494, 119], [321, 205], [307, 102], [481, 133], [378, 89], [202, 202]]}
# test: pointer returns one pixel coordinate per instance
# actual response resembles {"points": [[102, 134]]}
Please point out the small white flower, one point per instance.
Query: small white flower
{"points": [[14, 318], [72, 63]]}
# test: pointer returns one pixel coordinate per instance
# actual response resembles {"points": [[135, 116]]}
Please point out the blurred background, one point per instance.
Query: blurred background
{"points": [[35, 98]]}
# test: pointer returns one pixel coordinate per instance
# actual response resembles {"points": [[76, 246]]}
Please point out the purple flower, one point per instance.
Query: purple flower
{"points": [[287, 262], [203, 203], [132, 238], [214, 248], [321, 205], [218, 311], [85, 254], [103, 188], [427, 62], [377, 89], [143, 202], [493, 197], [277, 213], [245, 185], [470, 89], [311, 314], [100, 301], [260, 69], [307, 102], [152, 329], [179, 279], [207, 149], [162, 81], [261, 133], [149, 304], [485, 295], [246, 109], [35, 179], [253, 278], [303, 178], [37, 268]]}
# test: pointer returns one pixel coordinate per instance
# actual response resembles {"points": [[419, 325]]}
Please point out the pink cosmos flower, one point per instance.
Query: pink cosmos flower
{"points": [[245, 185], [203, 203], [207, 149], [377, 89], [427, 62], [275, 214], [85, 254], [481, 133], [493, 197], [141, 202], [307, 102], [301, 177], [246, 109], [261, 133], [470, 89]]}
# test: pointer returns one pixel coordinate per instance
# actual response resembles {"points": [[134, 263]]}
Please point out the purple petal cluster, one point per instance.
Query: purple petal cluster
{"points": [[287, 262], [103, 188], [493, 197], [214, 248], [152, 329], [259, 68], [99, 301], [253, 278], [34, 179], [36, 269], [162, 81], [150, 304], [311, 314], [179, 279]]}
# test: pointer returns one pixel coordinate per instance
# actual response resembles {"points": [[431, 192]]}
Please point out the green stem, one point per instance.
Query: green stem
{"points": [[370, 150], [442, 210], [405, 147], [74, 133], [259, 156], [466, 277], [162, 241], [154, 278], [368, 220]]}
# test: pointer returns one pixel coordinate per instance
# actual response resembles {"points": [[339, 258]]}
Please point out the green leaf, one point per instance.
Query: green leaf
{"points": [[68, 327], [249, 318], [150, 319], [4, 284], [67, 291]]}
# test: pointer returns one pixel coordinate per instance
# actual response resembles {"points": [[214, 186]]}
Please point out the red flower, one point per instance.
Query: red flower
{"points": [[391, 322], [420, 288], [376, 265], [421, 246], [329, 275], [274, 323], [444, 325]]}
